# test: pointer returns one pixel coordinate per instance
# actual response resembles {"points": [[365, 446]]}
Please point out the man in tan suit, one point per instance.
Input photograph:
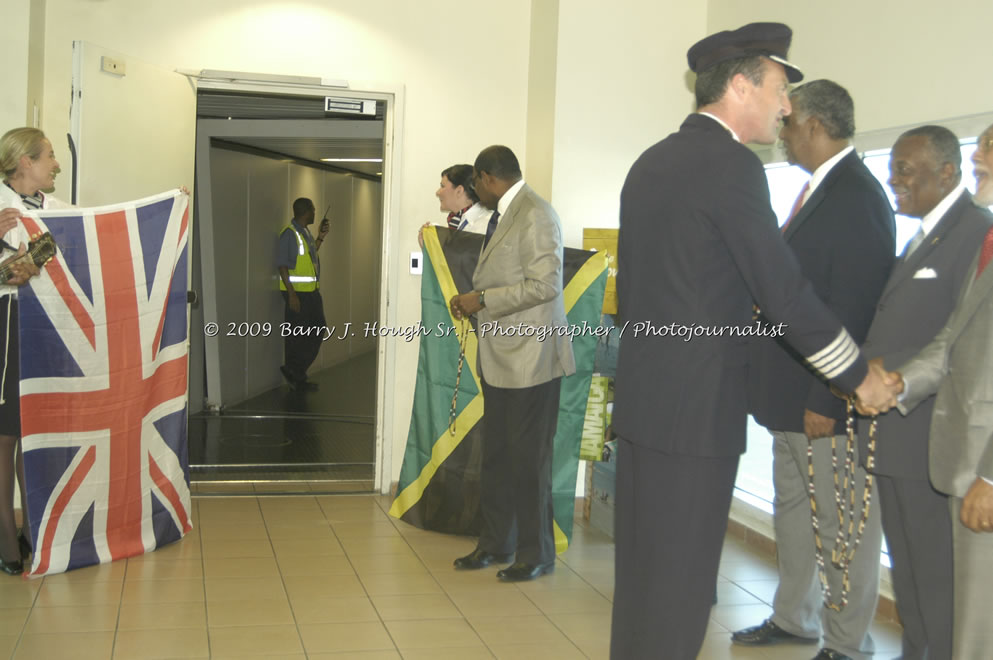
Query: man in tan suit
{"points": [[957, 365], [516, 297]]}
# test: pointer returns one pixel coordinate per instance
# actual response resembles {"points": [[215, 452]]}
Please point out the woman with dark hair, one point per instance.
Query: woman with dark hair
{"points": [[27, 166], [457, 196]]}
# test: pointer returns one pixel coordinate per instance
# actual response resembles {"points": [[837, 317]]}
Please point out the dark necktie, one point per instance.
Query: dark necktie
{"points": [[986, 253], [490, 228]]}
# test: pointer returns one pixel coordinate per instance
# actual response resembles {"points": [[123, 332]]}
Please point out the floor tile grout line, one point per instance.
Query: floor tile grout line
{"points": [[296, 624], [365, 589], [120, 606], [203, 577], [429, 572], [545, 614], [282, 578], [24, 627], [519, 590]]}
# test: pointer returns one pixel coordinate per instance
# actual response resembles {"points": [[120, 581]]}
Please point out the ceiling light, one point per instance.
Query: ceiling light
{"points": [[352, 160]]}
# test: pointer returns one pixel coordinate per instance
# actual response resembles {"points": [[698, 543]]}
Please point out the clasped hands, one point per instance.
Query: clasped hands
{"points": [[878, 392], [465, 304]]}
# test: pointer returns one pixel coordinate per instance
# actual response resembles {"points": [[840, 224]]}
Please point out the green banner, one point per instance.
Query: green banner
{"points": [[439, 478]]}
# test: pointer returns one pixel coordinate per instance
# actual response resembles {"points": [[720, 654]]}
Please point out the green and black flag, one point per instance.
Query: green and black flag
{"points": [[439, 480]]}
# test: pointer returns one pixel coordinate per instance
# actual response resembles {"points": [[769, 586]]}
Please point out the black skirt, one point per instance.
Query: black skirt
{"points": [[10, 394]]}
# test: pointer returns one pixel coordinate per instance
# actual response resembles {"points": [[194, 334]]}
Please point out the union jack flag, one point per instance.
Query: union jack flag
{"points": [[103, 383]]}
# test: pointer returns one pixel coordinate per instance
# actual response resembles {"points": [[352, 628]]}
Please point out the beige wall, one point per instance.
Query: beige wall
{"points": [[543, 65], [620, 88], [904, 61], [16, 18], [36, 61]]}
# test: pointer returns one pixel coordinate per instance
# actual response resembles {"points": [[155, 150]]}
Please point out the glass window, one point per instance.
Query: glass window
{"points": [[785, 183], [754, 483]]}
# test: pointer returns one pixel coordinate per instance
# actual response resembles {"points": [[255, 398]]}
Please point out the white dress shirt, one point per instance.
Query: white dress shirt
{"points": [[508, 197], [9, 199], [822, 171], [721, 122], [475, 219], [929, 221]]}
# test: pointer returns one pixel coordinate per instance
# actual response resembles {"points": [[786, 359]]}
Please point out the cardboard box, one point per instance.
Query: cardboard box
{"points": [[605, 240], [605, 483], [602, 517]]}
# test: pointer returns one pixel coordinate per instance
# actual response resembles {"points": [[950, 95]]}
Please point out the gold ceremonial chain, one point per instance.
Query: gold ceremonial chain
{"points": [[844, 545], [463, 336]]}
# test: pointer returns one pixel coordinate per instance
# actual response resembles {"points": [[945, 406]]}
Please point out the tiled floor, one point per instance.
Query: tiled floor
{"points": [[334, 577]]}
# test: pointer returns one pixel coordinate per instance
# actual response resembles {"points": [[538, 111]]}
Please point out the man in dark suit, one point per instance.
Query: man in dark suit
{"points": [[843, 235], [517, 281], [698, 243], [926, 177]]}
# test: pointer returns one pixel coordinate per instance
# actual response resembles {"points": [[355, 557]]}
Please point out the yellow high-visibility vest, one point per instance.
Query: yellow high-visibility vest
{"points": [[303, 276]]}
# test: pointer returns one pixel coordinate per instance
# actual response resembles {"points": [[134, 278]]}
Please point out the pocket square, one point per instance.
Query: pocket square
{"points": [[926, 274]]}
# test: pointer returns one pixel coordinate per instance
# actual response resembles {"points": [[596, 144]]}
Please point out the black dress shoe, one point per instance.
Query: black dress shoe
{"points": [[481, 559], [768, 633], [12, 567], [831, 654], [23, 544], [288, 375], [521, 572]]}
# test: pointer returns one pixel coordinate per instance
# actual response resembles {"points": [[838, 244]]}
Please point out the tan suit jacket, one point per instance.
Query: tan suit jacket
{"points": [[957, 364], [521, 271]]}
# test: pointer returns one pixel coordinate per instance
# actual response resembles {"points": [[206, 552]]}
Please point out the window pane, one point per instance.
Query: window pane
{"points": [[785, 183]]}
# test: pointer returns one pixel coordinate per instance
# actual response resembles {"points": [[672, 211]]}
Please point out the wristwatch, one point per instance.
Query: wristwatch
{"points": [[482, 298]]}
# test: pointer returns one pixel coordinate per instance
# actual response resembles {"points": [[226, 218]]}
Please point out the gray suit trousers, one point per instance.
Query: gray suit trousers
{"points": [[798, 606], [972, 636]]}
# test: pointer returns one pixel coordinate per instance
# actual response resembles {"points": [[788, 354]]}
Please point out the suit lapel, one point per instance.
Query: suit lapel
{"points": [[975, 293], [818, 196], [805, 212], [905, 268], [504, 224]]}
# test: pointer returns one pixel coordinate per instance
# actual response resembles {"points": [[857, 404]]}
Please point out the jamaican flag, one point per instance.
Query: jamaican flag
{"points": [[439, 480]]}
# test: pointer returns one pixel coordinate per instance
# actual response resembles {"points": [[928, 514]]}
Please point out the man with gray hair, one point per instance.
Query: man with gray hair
{"points": [[926, 178], [842, 233]]}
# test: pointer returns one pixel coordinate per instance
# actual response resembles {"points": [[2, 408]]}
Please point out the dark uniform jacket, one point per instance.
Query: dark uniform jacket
{"points": [[698, 243], [844, 238], [916, 302]]}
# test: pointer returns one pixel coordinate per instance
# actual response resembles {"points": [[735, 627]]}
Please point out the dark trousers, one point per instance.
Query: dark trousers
{"points": [[669, 526], [10, 410], [301, 350], [918, 531], [516, 472]]}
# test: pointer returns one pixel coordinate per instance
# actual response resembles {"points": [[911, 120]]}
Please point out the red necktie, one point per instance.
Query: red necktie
{"points": [[986, 253], [797, 204]]}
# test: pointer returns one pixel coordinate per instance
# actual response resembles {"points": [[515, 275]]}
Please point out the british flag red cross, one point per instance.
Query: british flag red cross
{"points": [[103, 335]]}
